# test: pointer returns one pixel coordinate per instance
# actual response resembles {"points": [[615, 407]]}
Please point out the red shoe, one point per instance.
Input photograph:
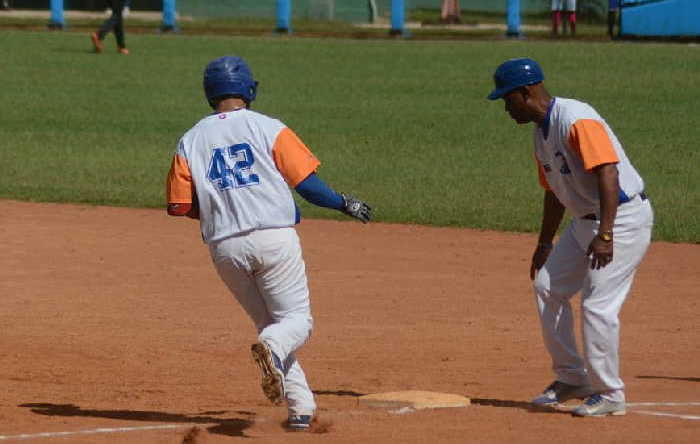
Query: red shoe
{"points": [[96, 42], [123, 51]]}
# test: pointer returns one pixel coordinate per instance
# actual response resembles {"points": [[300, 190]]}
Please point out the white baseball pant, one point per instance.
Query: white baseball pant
{"points": [[265, 271], [564, 5], [566, 272]]}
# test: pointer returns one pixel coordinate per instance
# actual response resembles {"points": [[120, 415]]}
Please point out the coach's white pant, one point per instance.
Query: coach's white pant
{"points": [[265, 271], [566, 272]]}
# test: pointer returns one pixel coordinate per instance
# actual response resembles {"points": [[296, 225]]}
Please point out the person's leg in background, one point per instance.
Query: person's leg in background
{"points": [[113, 23], [117, 13], [571, 15], [108, 24], [613, 8], [556, 16]]}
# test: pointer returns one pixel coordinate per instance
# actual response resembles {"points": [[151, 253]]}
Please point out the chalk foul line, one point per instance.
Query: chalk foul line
{"points": [[93, 431], [400, 411], [664, 404], [672, 415]]}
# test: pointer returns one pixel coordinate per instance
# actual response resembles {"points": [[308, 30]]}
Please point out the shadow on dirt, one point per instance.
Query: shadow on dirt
{"points": [[338, 393], [675, 378], [522, 405], [221, 426]]}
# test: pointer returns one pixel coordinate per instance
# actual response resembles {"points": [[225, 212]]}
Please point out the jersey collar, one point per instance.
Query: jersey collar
{"points": [[545, 123], [230, 111]]}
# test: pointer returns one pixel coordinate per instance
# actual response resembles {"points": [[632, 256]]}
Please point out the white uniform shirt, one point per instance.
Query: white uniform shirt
{"points": [[578, 140], [240, 164]]}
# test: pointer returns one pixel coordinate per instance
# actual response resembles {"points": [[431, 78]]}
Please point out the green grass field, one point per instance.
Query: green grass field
{"points": [[403, 124]]}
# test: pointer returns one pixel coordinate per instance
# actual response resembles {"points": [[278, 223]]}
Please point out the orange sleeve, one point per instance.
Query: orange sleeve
{"points": [[179, 186], [543, 179], [589, 140], [292, 158]]}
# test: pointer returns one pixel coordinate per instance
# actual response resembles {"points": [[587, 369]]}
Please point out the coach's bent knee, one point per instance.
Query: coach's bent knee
{"points": [[541, 285]]}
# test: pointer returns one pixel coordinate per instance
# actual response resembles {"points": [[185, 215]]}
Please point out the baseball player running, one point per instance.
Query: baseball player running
{"points": [[583, 169], [233, 171]]}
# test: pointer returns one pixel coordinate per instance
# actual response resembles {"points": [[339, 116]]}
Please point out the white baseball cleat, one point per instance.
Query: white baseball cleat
{"points": [[272, 372], [596, 405]]}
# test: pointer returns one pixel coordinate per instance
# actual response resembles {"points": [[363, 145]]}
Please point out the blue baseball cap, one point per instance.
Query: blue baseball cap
{"points": [[513, 74]]}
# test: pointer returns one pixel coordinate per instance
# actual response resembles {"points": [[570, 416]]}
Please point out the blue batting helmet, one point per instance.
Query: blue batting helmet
{"points": [[229, 75], [513, 74]]}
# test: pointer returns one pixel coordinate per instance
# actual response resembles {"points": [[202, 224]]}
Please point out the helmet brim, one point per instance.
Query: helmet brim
{"points": [[498, 93]]}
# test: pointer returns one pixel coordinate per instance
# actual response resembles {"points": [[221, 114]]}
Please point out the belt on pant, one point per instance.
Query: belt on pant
{"points": [[592, 216]]}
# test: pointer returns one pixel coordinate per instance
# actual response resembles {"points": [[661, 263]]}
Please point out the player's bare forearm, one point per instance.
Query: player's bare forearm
{"points": [[609, 192], [601, 247], [552, 214]]}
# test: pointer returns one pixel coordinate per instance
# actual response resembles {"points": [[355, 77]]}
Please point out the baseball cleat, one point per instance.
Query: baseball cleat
{"points": [[559, 392], [299, 423], [272, 382], [596, 405], [123, 51], [96, 42]]}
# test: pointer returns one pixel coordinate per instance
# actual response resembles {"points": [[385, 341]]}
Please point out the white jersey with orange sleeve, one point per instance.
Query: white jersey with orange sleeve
{"points": [[241, 164], [571, 143]]}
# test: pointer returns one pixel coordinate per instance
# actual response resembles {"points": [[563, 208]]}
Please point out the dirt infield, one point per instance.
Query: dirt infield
{"points": [[115, 328]]}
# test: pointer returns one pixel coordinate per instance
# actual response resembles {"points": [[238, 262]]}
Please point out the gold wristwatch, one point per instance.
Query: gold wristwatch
{"points": [[606, 236]]}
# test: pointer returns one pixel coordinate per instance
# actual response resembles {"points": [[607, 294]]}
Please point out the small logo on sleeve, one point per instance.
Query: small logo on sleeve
{"points": [[564, 166]]}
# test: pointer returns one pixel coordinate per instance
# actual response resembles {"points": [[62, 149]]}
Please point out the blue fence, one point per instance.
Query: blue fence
{"points": [[283, 10], [661, 18]]}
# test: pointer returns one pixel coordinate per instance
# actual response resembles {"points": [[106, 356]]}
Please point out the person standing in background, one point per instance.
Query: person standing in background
{"points": [[125, 12], [569, 8], [115, 23], [613, 9], [450, 12]]}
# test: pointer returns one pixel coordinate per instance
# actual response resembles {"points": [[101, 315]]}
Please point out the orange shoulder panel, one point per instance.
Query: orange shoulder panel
{"points": [[589, 140], [179, 186], [292, 158]]}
